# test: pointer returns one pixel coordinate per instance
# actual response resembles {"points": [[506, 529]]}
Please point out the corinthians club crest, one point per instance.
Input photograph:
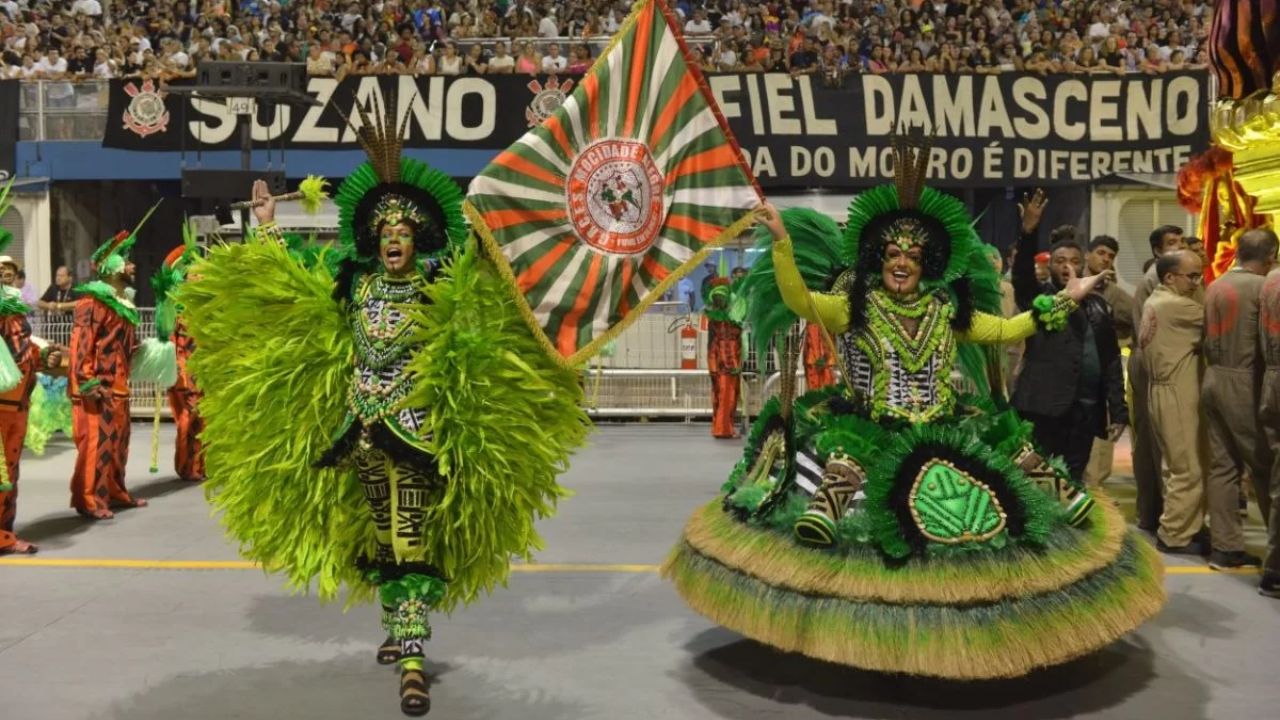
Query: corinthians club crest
{"points": [[546, 99], [146, 114], [615, 194]]}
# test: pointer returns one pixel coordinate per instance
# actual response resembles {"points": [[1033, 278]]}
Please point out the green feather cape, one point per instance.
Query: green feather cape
{"points": [[273, 358], [503, 419]]}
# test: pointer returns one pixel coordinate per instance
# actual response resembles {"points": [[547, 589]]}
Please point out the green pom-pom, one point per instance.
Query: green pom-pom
{"points": [[314, 191]]}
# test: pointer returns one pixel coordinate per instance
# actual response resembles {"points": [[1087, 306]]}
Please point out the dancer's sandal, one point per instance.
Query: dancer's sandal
{"points": [[128, 504], [389, 652], [415, 698], [20, 547]]}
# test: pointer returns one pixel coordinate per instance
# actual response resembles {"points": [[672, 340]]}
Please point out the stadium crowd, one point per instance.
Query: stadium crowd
{"points": [[102, 39]]}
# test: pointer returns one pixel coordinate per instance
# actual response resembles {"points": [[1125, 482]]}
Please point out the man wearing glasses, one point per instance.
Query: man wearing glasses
{"points": [[1147, 473], [1170, 333]]}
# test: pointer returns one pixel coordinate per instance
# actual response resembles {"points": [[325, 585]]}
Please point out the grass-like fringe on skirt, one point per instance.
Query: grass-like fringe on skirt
{"points": [[972, 641], [977, 577]]}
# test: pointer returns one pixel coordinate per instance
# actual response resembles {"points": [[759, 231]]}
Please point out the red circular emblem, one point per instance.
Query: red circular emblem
{"points": [[615, 196]]}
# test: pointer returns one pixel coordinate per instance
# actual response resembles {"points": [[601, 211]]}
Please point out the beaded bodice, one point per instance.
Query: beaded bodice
{"points": [[383, 347], [902, 374]]}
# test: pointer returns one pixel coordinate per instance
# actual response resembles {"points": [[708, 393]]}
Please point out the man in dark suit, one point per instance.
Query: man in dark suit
{"points": [[1072, 385]]}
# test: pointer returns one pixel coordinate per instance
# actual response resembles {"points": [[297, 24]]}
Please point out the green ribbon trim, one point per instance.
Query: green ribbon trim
{"points": [[103, 292]]}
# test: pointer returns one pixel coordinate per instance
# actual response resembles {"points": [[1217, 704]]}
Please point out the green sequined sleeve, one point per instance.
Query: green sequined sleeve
{"points": [[991, 330], [832, 311]]}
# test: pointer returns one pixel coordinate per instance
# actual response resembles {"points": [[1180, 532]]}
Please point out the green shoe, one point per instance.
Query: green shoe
{"points": [[815, 529]]}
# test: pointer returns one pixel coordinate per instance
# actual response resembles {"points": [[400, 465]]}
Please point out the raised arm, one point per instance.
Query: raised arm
{"points": [[1023, 273], [1047, 312], [831, 311]]}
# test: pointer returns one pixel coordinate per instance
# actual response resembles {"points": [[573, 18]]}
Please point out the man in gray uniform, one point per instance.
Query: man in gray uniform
{"points": [[1230, 396]]}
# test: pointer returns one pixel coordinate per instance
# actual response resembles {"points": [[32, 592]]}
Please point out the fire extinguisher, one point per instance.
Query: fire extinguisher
{"points": [[688, 347]]}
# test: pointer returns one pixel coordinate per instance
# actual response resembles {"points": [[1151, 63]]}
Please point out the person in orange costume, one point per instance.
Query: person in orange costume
{"points": [[819, 363], [188, 459], [21, 357], [724, 357], [183, 396], [104, 338]]}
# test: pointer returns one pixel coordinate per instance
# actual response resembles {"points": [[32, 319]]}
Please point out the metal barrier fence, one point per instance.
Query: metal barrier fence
{"points": [[642, 379], [56, 328]]}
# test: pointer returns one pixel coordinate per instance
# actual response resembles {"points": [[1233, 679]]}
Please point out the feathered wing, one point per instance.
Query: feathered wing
{"points": [[273, 358], [504, 419], [815, 242]]}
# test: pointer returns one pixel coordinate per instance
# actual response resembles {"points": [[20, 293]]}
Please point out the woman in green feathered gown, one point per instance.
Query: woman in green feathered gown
{"points": [[378, 415], [904, 521]]}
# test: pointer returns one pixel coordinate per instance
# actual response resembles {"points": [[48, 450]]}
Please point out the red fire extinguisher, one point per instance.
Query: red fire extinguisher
{"points": [[688, 347]]}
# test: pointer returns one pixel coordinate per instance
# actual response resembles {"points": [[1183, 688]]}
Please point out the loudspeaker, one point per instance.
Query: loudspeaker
{"points": [[229, 185], [260, 75]]}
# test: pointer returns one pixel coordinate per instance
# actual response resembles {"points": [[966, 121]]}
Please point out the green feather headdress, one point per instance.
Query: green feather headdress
{"points": [[391, 188], [109, 258], [172, 273]]}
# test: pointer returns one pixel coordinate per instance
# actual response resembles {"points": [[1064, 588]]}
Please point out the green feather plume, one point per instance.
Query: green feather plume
{"points": [[274, 394], [156, 361], [815, 242], [314, 190], [504, 419]]}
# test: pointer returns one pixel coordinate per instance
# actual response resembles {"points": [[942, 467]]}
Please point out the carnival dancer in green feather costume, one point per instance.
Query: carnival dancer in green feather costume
{"points": [[378, 416], [904, 521]]}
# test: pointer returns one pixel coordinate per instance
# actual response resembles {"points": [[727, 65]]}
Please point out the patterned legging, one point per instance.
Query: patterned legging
{"points": [[398, 496]]}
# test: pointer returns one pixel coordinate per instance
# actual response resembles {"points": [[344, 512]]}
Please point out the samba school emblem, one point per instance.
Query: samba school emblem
{"points": [[146, 114], [546, 99], [615, 196]]}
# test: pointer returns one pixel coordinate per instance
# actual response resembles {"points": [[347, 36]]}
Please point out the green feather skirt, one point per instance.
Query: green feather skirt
{"points": [[888, 596]]}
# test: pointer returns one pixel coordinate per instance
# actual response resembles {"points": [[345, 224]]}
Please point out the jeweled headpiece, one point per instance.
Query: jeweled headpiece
{"points": [[394, 210]]}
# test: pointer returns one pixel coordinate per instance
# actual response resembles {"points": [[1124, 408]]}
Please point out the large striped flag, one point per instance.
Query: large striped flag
{"points": [[626, 187]]}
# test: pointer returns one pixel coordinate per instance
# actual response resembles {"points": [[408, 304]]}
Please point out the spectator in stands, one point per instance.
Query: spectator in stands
{"points": [[60, 298], [528, 63], [501, 63], [553, 62], [29, 296], [477, 60], [579, 60]]}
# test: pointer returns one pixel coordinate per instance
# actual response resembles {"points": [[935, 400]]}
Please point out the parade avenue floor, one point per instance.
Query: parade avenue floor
{"points": [[151, 616]]}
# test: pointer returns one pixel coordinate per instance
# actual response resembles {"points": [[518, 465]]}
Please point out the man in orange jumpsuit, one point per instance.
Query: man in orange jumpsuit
{"points": [[104, 337], [724, 357]]}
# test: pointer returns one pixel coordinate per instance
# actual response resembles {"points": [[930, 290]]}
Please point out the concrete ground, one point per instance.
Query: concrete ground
{"points": [[118, 620]]}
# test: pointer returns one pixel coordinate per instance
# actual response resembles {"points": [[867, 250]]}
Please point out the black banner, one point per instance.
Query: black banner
{"points": [[8, 128], [990, 130], [1009, 129]]}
